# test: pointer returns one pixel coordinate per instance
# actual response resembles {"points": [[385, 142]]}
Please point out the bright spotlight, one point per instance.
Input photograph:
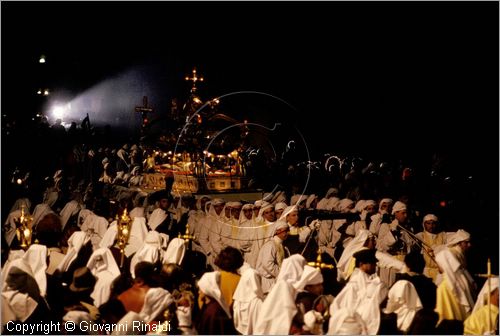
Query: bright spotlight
{"points": [[42, 59], [58, 112]]}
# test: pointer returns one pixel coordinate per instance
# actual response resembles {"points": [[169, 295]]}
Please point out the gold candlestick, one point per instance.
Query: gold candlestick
{"points": [[123, 224], [187, 236], [23, 231]]}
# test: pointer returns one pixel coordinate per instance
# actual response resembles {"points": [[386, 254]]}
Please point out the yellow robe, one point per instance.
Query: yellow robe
{"points": [[477, 323], [447, 304], [228, 283], [431, 269]]}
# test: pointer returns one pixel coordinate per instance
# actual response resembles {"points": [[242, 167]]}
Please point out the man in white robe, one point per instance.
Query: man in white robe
{"points": [[265, 223], [248, 235], [384, 210], [365, 240], [231, 227], [365, 209], [363, 294], [456, 292], [271, 256], [211, 231], [196, 220], [393, 239], [435, 241]]}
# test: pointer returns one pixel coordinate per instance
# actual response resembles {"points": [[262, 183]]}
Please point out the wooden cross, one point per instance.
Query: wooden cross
{"points": [[194, 78], [144, 110], [488, 277]]}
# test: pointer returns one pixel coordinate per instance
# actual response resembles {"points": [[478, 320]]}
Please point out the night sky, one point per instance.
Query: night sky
{"points": [[367, 77]]}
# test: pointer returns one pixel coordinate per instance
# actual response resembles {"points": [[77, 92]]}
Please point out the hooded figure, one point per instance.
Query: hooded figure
{"points": [[95, 226], [264, 224], [455, 292], [479, 323], [363, 293], [211, 230], [75, 243], [405, 302], [36, 257], [70, 209], [247, 301], [382, 216], [21, 297], [434, 238], [276, 314], [215, 316], [103, 266], [271, 256], [151, 251], [155, 303], [175, 252], [292, 268]]}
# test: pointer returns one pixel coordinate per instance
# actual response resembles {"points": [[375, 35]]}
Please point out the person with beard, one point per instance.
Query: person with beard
{"points": [[396, 241], [432, 237]]}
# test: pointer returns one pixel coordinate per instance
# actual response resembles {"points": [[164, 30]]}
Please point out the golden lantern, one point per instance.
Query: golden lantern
{"points": [[23, 231], [123, 226]]}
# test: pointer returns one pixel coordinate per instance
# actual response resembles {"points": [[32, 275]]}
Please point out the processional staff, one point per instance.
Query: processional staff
{"points": [[188, 238], [488, 277]]}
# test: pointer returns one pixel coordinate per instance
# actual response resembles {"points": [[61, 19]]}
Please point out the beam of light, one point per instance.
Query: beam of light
{"points": [[60, 111], [113, 101]]}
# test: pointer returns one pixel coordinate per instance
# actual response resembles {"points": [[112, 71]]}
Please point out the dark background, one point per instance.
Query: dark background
{"points": [[406, 75]]}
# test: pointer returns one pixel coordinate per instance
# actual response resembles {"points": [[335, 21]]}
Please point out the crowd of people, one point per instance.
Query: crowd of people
{"points": [[365, 248], [248, 267]]}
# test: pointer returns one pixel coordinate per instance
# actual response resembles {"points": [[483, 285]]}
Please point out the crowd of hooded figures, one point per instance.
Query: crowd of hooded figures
{"points": [[248, 269]]}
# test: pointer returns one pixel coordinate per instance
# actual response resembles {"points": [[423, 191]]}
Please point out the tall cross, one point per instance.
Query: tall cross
{"points": [[144, 110], [194, 78], [488, 277]]}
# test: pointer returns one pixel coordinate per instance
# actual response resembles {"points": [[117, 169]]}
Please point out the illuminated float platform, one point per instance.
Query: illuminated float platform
{"points": [[214, 184], [196, 171]]}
